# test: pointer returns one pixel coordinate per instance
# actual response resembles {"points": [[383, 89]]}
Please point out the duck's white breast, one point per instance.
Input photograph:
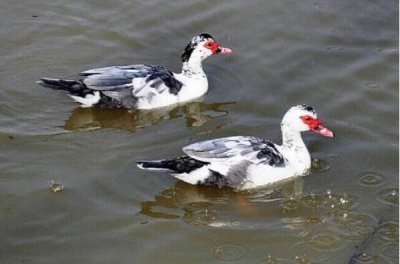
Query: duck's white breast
{"points": [[192, 87]]}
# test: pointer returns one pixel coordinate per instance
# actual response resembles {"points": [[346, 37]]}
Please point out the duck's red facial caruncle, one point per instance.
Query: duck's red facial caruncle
{"points": [[216, 48], [315, 125]]}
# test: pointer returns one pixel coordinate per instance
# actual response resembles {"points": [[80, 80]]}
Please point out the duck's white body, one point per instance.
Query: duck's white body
{"points": [[247, 162], [143, 86], [298, 162], [192, 88]]}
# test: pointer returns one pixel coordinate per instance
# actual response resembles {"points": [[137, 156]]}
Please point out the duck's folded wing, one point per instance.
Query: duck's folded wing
{"points": [[235, 150], [140, 80], [116, 77], [138, 69]]}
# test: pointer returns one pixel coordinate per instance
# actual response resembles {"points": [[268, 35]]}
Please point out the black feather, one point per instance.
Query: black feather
{"points": [[187, 52], [205, 36], [307, 108], [269, 154], [167, 77], [184, 164], [73, 87]]}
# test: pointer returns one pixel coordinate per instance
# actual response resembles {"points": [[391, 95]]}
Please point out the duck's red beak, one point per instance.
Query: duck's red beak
{"points": [[316, 126], [216, 48], [323, 131], [223, 50]]}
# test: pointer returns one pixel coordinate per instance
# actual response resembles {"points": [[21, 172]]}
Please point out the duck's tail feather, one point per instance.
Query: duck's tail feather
{"points": [[76, 89], [71, 86], [183, 164]]}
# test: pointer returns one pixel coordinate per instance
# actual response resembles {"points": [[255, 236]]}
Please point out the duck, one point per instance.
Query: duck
{"points": [[246, 162], [143, 86]]}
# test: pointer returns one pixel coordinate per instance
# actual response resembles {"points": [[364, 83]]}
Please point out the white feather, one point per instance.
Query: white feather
{"points": [[194, 177], [87, 101]]}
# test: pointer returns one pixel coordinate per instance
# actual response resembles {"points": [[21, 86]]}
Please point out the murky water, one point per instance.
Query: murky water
{"points": [[69, 188]]}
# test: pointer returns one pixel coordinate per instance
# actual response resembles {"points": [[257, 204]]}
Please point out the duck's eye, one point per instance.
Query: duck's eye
{"points": [[209, 44]]}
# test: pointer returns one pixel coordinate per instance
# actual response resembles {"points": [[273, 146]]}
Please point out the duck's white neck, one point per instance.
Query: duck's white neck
{"points": [[293, 143], [193, 67]]}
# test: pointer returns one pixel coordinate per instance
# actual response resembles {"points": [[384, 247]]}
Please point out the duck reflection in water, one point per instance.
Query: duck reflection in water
{"points": [[194, 113], [284, 204], [220, 207]]}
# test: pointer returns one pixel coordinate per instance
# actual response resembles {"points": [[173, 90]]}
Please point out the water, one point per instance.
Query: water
{"points": [[69, 188]]}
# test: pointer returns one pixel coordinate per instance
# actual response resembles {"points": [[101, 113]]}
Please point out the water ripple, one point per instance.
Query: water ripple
{"points": [[390, 250], [370, 179], [307, 254], [203, 217], [291, 204], [270, 260], [372, 85], [326, 242], [319, 165], [389, 231], [353, 226], [228, 252], [389, 196], [365, 258], [330, 200]]}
